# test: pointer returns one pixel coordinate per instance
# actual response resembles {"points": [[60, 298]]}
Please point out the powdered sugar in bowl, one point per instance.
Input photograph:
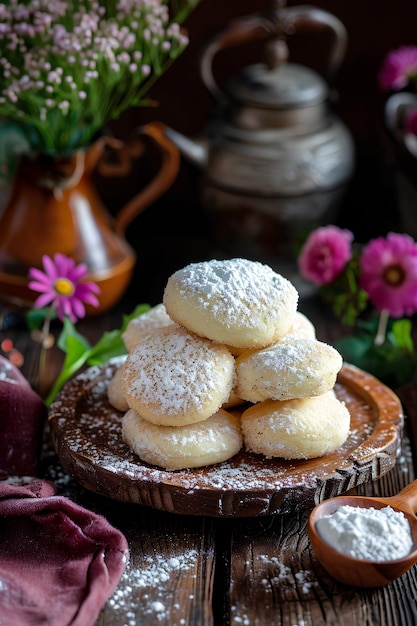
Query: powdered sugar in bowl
{"points": [[354, 517]]}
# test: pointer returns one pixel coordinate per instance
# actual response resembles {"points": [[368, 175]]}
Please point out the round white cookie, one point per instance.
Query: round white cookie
{"points": [[303, 428], [302, 327], [114, 392], [174, 378], [237, 302], [214, 440], [146, 323], [295, 367]]}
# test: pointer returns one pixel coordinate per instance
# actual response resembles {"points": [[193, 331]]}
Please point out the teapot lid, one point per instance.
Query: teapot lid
{"points": [[289, 85]]}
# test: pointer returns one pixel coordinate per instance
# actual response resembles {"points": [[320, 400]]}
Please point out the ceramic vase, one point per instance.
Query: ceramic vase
{"points": [[54, 207]]}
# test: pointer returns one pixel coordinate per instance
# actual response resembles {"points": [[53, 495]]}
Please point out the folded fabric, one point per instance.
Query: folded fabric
{"points": [[59, 562], [22, 418]]}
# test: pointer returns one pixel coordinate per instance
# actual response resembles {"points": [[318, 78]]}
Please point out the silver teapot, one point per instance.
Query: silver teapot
{"points": [[275, 160]]}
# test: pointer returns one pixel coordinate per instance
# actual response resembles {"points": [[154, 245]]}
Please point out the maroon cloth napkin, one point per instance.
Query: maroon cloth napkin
{"points": [[58, 561], [22, 418]]}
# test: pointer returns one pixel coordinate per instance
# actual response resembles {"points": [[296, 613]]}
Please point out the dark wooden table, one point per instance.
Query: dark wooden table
{"points": [[198, 571]]}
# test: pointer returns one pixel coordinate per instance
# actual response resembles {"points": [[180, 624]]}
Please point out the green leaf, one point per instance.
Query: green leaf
{"points": [[111, 343], [36, 317], [76, 356], [79, 351], [344, 295], [401, 334], [138, 310], [109, 346], [392, 363], [69, 330], [352, 349]]}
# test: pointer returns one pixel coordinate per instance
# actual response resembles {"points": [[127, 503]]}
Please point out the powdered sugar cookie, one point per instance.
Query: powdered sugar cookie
{"points": [[114, 392], [303, 428], [175, 378], [294, 367], [237, 302], [211, 441], [144, 324], [233, 401], [302, 327]]}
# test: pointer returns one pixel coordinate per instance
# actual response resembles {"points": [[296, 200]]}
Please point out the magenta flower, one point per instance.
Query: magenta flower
{"points": [[389, 274], [325, 254], [61, 286], [399, 68]]}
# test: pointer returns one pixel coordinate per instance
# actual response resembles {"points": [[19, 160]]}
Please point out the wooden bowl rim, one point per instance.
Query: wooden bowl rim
{"points": [[263, 486]]}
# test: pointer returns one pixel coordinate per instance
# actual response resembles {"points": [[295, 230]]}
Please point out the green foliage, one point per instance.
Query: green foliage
{"points": [[393, 362], [344, 295], [79, 352]]}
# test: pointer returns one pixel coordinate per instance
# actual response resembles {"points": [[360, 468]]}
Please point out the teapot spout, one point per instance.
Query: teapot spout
{"points": [[194, 150]]}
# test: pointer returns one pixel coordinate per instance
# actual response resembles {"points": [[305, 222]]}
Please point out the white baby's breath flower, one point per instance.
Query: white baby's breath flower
{"points": [[93, 58]]}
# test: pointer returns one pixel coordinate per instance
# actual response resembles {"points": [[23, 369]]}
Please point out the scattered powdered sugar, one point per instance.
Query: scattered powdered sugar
{"points": [[175, 372], [154, 573], [279, 580], [282, 574], [367, 533]]}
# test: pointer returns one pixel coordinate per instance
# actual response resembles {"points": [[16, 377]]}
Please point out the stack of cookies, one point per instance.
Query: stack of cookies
{"points": [[226, 361]]}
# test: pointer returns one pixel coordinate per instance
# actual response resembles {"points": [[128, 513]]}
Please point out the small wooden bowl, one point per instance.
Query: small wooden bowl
{"points": [[361, 572]]}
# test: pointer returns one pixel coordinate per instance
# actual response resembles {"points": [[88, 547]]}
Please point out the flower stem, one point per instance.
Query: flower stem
{"points": [[382, 328]]}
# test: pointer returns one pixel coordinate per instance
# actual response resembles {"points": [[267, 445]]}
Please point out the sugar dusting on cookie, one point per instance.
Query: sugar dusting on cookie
{"points": [[174, 373], [236, 301]]}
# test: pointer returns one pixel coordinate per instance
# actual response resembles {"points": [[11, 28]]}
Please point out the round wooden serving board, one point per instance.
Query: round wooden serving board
{"points": [[86, 432]]}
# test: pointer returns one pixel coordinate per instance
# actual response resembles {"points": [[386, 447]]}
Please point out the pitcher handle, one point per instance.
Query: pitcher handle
{"points": [[159, 184], [274, 25]]}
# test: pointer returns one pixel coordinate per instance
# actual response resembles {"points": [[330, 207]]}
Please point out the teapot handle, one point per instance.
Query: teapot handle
{"points": [[261, 27], [160, 183]]}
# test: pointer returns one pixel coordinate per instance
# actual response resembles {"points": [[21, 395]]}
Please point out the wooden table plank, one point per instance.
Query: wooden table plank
{"points": [[169, 576]]}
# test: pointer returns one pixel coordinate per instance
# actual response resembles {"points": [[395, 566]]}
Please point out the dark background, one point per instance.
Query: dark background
{"points": [[174, 231]]}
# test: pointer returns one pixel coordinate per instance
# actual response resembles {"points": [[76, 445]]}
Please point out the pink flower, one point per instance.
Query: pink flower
{"points": [[61, 285], [398, 68], [389, 274], [325, 254]]}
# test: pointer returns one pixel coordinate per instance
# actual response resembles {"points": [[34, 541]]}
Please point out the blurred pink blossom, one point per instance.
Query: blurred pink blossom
{"points": [[325, 254], [398, 69], [389, 274]]}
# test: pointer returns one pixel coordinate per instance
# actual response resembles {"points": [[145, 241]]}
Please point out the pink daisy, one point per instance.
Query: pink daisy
{"points": [[398, 68], [389, 274], [61, 286], [325, 254]]}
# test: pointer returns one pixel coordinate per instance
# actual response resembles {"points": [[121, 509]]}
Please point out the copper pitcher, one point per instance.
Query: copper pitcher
{"points": [[54, 207]]}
